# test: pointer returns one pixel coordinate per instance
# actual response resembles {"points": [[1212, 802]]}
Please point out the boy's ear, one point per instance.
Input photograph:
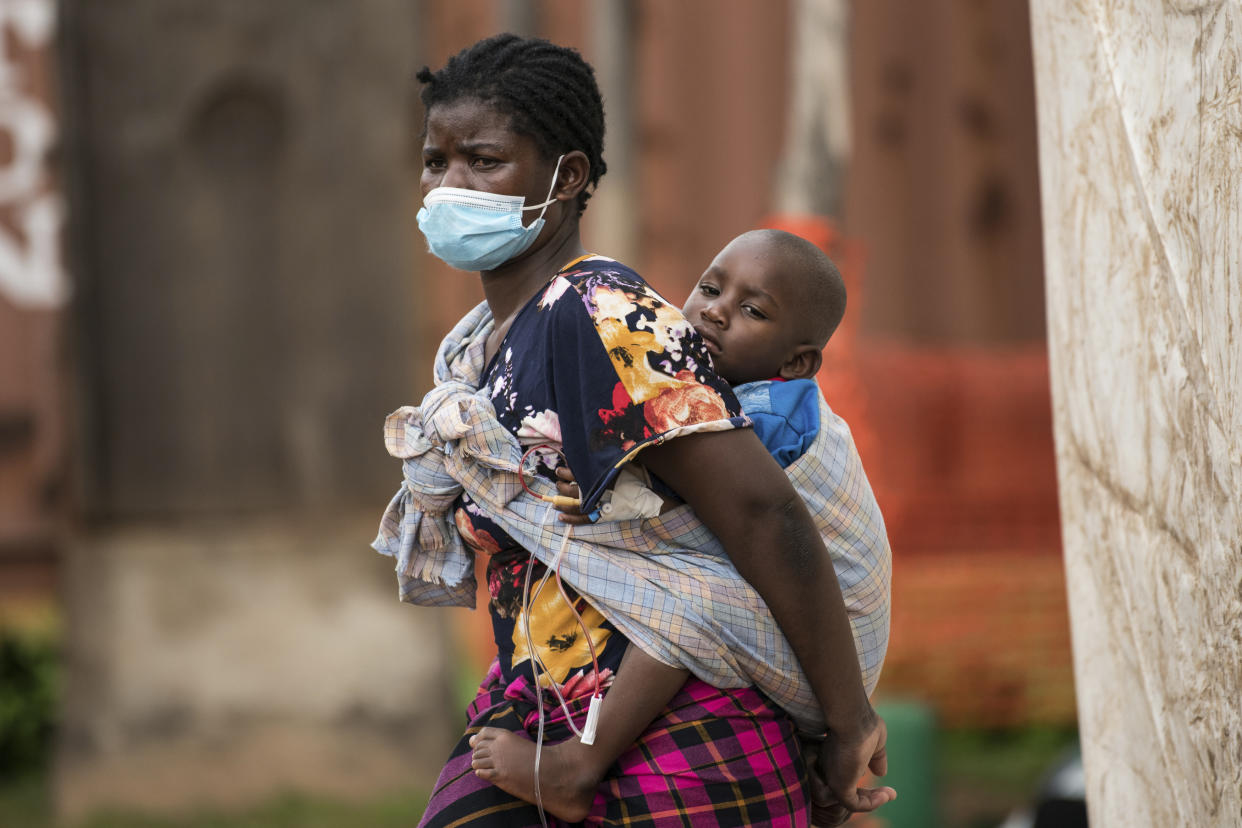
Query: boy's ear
{"points": [[803, 363]]}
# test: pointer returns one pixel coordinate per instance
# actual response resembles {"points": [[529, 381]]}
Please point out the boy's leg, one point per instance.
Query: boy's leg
{"points": [[570, 771]]}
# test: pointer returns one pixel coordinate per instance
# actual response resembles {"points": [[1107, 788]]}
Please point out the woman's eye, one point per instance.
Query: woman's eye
{"points": [[433, 163], [483, 163]]}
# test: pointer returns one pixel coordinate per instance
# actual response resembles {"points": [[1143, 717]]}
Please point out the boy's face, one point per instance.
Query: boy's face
{"points": [[745, 308]]}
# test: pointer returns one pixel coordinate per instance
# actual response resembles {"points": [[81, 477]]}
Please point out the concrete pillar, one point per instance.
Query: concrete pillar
{"points": [[1140, 109]]}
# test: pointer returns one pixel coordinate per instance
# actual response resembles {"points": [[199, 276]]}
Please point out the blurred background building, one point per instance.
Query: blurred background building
{"points": [[193, 378]]}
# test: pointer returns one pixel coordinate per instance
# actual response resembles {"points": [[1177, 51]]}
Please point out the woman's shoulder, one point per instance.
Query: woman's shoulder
{"points": [[603, 287], [593, 272], [593, 264]]}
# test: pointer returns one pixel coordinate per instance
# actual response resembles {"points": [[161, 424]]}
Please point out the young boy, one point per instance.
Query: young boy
{"points": [[765, 308]]}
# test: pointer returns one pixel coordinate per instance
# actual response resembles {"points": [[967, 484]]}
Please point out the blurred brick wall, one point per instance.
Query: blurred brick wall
{"points": [[33, 411], [32, 424], [944, 181]]}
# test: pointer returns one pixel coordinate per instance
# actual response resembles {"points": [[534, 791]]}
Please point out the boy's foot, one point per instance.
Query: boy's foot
{"points": [[508, 761]]}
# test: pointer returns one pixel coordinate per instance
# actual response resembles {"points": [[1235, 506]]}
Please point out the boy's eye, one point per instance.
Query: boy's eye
{"points": [[752, 311], [709, 290]]}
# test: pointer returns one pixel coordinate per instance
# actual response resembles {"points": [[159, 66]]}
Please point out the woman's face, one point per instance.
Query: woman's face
{"points": [[470, 145]]}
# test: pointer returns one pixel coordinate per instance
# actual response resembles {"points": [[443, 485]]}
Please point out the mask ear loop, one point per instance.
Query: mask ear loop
{"points": [[549, 197]]}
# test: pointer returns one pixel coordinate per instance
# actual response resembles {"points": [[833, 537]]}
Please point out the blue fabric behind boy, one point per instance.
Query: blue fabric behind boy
{"points": [[785, 414]]}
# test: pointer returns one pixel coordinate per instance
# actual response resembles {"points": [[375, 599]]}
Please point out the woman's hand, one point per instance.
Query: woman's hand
{"points": [[835, 765]]}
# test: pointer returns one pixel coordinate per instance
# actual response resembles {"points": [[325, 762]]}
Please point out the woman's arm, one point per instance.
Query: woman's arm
{"points": [[743, 496]]}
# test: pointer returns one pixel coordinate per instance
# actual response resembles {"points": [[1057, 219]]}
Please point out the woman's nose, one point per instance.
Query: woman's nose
{"points": [[455, 176]]}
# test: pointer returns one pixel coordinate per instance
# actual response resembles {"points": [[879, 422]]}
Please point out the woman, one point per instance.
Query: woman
{"points": [[576, 350]]}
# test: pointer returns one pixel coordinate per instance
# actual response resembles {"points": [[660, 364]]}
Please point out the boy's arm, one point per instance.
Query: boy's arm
{"points": [[744, 497]]}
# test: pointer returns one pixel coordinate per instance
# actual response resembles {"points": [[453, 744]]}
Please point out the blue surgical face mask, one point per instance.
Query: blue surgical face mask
{"points": [[473, 230]]}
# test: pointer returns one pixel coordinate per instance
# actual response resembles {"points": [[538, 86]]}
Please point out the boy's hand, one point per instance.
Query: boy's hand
{"points": [[835, 767], [567, 486]]}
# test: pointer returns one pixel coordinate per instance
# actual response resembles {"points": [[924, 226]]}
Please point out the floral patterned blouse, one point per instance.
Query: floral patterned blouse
{"points": [[597, 365]]}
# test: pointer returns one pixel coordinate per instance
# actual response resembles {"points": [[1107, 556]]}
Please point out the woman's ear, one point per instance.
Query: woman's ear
{"points": [[803, 363], [574, 173]]}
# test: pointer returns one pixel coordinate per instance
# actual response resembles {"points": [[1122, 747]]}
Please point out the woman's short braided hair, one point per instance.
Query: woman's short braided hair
{"points": [[549, 91]]}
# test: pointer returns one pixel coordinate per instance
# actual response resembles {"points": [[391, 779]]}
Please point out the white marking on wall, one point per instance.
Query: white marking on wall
{"points": [[31, 270]]}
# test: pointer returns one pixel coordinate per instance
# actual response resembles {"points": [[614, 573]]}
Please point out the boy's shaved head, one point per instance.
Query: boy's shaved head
{"points": [[766, 306], [811, 279]]}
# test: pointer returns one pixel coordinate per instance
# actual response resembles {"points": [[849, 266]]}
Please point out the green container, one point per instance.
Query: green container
{"points": [[912, 752]]}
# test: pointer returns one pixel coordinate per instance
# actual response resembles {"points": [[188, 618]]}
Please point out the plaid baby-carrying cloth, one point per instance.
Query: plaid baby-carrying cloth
{"points": [[665, 583]]}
